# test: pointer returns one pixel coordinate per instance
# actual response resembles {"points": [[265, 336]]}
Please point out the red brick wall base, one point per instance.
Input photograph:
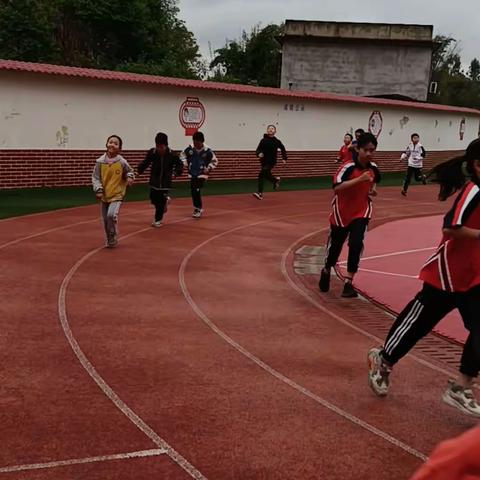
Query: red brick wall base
{"points": [[56, 168]]}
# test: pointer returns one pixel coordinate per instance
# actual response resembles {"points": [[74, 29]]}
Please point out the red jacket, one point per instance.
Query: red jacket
{"points": [[457, 459]]}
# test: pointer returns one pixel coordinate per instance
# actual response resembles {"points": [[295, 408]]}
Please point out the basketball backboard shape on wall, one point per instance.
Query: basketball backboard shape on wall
{"points": [[191, 115]]}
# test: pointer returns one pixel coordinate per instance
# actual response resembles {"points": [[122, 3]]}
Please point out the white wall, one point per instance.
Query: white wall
{"points": [[50, 112]]}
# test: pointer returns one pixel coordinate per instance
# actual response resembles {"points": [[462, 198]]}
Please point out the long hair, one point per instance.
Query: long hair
{"points": [[452, 174]]}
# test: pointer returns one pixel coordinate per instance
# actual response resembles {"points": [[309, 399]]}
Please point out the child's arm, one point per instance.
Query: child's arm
{"points": [[213, 163], [184, 158], [462, 233], [177, 166], [259, 150], [128, 172], [283, 150], [364, 177], [145, 163], [406, 153], [97, 181]]}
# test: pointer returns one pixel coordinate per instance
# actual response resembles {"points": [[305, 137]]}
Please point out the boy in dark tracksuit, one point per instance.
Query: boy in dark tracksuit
{"points": [[267, 153], [164, 164], [200, 161], [354, 184]]}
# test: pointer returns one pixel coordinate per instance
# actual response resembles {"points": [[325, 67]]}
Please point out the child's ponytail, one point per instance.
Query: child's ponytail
{"points": [[452, 174]]}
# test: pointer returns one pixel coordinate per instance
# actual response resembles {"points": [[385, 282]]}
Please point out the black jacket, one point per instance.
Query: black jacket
{"points": [[162, 168], [269, 147]]}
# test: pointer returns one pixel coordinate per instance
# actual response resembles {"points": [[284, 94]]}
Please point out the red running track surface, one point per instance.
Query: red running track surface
{"points": [[391, 280], [198, 341]]}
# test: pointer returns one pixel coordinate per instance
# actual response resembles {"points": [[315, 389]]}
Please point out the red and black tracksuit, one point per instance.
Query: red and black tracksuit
{"points": [[351, 211], [451, 279]]}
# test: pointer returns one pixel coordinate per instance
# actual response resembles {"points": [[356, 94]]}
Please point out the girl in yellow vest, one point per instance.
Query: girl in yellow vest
{"points": [[110, 178]]}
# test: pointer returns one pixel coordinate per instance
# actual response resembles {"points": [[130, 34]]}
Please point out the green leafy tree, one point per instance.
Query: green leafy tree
{"points": [[255, 58], [454, 87], [137, 35], [474, 70]]}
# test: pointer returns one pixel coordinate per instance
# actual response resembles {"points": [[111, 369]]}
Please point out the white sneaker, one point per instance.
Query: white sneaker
{"points": [[197, 213], [461, 398], [378, 372], [156, 224], [258, 196]]}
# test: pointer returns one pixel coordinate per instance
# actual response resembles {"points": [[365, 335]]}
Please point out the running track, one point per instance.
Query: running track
{"points": [[194, 351]]}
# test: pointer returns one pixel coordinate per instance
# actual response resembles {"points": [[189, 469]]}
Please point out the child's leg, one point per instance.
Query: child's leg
{"points": [[417, 319], [112, 220], [104, 213], [159, 200], [355, 245], [269, 176], [261, 180], [196, 187], [335, 242], [408, 178], [469, 306]]}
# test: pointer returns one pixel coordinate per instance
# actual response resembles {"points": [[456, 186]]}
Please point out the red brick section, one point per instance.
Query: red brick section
{"points": [[55, 168]]}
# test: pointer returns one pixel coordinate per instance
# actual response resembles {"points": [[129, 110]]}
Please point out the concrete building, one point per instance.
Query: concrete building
{"points": [[54, 121], [365, 59]]}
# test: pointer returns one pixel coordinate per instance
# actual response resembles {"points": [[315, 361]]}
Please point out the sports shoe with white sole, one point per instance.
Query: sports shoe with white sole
{"points": [[156, 224], [258, 196], [378, 372], [197, 213], [462, 399]]}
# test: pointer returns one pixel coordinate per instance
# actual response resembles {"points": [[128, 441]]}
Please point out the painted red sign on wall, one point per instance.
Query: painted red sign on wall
{"points": [[191, 115], [375, 123]]}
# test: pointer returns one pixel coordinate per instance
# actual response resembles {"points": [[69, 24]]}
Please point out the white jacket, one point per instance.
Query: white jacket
{"points": [[415, 155]]}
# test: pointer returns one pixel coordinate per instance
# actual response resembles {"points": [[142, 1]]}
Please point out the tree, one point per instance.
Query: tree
{"points": [[137, 35], [454, 87], [255, 58], [474, 70]]}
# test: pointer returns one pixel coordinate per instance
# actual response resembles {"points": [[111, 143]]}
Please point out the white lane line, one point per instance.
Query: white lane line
{"points": [[393, 254], [63, 227], [80, 461], [275, 373], [305, 293], [98, 379], [127, 214], [379, 272]]}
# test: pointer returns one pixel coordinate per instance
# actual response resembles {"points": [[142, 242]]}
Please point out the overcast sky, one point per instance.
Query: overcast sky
{"points": [[215, 21]]}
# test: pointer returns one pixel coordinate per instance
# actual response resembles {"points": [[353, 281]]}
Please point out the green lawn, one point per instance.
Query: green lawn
{"points": [[33, 200]]}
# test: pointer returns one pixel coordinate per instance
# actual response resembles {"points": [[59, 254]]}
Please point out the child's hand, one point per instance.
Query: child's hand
{"points": [[284, 161], [99, 195], [365, 177], [260, 155], [373, 193], [130, 181]]}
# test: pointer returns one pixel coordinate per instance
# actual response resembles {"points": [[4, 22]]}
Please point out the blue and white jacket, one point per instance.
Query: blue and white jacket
{"points": [[199, 162]]}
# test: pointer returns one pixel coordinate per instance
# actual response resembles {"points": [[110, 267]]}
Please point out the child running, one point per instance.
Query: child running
{"points": [[165, 165], [415, 153], [110, 178], [200, 161], [451, 280], [352, 209], [267, 154], [345, 153]]}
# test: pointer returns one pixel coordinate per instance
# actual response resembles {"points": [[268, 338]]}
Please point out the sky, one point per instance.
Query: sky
{"points": [[215, 21]]}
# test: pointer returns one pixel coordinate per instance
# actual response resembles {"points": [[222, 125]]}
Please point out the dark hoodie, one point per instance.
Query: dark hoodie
{"points": [[163, 168], [269, 146]]}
